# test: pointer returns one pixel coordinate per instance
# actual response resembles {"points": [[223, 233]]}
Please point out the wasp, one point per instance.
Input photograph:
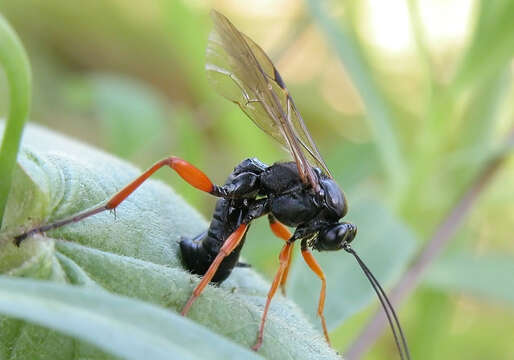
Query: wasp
{"points": [[301, 194]]}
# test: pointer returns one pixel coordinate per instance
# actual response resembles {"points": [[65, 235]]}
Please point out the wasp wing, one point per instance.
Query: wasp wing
{"points": [[299, 129], [241, 72]]}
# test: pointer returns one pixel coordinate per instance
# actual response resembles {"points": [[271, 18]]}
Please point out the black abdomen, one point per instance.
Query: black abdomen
{"points": [[199, 252]]}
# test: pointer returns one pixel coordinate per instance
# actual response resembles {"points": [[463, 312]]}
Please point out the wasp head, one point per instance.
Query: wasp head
{"points": [[335, 236]]}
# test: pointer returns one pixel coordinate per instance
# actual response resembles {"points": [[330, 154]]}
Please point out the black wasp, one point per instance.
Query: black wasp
{"points": [[300, 194]]}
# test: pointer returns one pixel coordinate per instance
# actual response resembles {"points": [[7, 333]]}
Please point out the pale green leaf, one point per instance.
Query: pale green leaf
{"points": [[135, 252], [487, 276], [121, 326]]}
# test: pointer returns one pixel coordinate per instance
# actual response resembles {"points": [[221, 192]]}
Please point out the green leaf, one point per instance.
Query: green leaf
{"points": [[481, 120], [384, 243], [15, 63], [353, 163], [347, 47], [437, 314], [492, 45], [132, 114], [121, 326], [135, 252], [181, 22], [484, 275]]}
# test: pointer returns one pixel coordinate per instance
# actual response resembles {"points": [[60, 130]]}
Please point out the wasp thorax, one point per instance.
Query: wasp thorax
{"points": [[334, 237]]}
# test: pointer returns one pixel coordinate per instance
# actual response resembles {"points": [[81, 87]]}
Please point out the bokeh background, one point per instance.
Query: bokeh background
{"points": [[408, 100]]}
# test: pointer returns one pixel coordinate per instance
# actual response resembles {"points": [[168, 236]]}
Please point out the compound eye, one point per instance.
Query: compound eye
{"points": [[331, 239], [336, 237]]}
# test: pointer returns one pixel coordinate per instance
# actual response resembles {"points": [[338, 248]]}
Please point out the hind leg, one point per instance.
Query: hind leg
{"points": [[185, 170]]}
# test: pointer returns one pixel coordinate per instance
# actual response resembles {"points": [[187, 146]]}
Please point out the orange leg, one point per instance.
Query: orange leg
{"points": [[282, 232], [188, 172], [313, 264], [284, 257], [229, 245]]}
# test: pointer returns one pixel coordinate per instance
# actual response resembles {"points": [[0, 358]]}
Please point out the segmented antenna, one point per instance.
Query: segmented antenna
{"points": [[403, 349]]}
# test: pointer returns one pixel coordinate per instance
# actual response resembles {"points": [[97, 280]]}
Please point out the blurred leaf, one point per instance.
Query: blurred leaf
{"points": [[487, 275], [131, 112], [185, 139], [474, 137], [492, 45], [435, 311], [473, 142], [136, 253], [352, 163], [419, 35], [124, 327], [126, 36], [187, 32], [384, 243], [350, 52]]}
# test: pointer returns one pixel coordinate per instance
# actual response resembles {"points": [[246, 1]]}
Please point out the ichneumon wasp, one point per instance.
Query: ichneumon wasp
{"points": [[301, 193]]}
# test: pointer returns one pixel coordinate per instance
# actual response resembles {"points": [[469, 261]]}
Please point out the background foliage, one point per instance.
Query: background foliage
{"points": [[407, 103]]}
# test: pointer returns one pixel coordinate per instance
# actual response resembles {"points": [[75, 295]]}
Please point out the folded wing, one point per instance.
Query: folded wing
{"points": [[241, 72]]}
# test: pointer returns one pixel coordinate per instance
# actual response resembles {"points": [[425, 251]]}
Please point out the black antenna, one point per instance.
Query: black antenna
{"points": [[386, 305]]}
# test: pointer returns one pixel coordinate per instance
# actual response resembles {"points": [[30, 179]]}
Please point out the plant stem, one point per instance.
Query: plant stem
{"points": [[442, 235], [15, 62]]}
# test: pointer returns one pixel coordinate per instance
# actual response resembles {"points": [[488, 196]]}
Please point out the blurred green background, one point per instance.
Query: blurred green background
{"points": [[407, 100]]}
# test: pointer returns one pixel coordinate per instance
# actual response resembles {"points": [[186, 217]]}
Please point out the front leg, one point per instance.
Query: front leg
{"points": [[314, 266]]}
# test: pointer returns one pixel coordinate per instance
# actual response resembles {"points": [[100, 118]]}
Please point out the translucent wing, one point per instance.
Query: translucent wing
{"points": [[295, 119], [241, 72]]}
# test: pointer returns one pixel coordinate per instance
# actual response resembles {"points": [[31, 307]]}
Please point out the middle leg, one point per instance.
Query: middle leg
{"points": [[284, 258], [282, 232]]}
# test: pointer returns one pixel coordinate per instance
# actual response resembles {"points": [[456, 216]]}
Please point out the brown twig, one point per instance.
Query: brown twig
{"points": [[431, 250]]}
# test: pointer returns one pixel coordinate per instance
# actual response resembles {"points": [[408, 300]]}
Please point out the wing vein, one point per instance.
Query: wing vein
{"points": [[253, 79]]}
